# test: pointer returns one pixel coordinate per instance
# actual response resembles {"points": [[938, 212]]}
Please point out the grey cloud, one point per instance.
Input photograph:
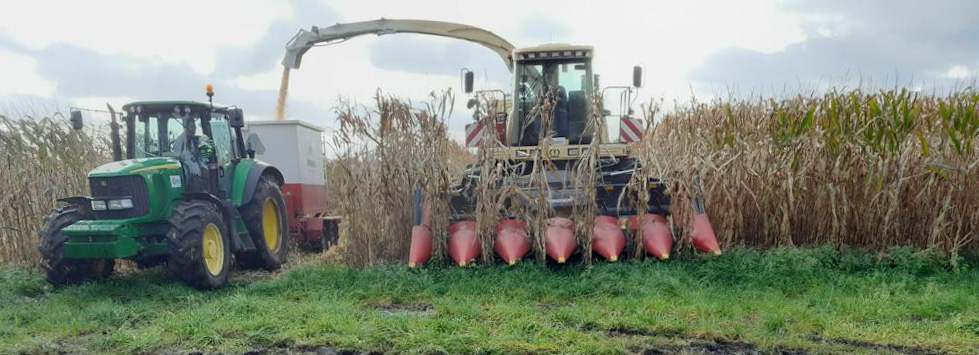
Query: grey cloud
{"points": [[902, 42], [269, 50], [81, 72], [544, 29], [409, 53]]}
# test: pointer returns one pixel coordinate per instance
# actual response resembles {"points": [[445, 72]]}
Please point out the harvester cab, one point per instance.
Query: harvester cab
{"points": [[188, 193]]}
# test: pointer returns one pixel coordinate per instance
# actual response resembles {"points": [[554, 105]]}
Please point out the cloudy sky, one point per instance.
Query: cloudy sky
{"points": [[87, 53]]}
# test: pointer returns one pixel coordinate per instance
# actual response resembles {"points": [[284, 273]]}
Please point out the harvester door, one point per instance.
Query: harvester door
{"points": [[224, 150]]}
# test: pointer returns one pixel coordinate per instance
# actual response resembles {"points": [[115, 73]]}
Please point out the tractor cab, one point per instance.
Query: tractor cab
{"points": [[204, 138]]}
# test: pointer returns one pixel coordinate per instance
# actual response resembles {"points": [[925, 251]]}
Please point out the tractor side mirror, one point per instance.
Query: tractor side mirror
{"points": [[637, 76], [468, 79], [236, 118], [254, 144], [76, 120], [597, 84]]}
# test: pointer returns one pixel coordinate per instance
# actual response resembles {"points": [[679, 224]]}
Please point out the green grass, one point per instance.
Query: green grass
{"points": [[820, 301]]}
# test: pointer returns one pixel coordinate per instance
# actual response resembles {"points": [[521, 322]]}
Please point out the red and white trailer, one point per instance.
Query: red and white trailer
{"points": [[296, 148]]}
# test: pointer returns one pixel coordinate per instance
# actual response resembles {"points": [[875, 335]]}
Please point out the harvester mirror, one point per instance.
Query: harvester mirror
{"points": [[254, 144], [76, 120], [469, 82], [236, 118], [598, 84], [637, 76]]}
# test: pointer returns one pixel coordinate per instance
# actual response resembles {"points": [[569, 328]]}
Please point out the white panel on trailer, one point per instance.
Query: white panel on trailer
{"points": [[293, 146]]}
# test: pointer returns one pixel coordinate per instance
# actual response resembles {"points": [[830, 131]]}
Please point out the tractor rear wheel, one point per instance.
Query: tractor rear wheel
{"points": [[199, 245], [265, 219], [61, 271]]}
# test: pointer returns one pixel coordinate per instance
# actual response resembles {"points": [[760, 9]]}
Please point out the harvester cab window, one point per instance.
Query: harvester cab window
{"points": [[566, 82]]}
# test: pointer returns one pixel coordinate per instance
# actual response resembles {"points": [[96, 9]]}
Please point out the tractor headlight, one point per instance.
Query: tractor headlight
{"points": [[120, 204], [98, 205]]}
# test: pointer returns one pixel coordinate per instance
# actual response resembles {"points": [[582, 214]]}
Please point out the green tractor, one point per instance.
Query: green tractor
{"points": [[189, 194]]}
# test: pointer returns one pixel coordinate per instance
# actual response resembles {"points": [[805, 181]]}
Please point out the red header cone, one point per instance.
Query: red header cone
{"points": [[421, 245], [463, 245], [559, 242], [703, 235], [657, 238], [609, 241], [511, 242]]}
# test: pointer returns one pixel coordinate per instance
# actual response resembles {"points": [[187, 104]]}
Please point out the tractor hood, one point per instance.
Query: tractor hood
{"points": [[134, 166]]}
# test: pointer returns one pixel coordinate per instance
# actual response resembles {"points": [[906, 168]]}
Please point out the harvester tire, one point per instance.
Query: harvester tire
{"points": [[61, 271], [265, 219], [199, 251]]}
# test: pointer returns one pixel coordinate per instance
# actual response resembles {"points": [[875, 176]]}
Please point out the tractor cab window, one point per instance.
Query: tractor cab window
{"points": [[179, 131], [146, 137], [221, 131], [567, 83]]}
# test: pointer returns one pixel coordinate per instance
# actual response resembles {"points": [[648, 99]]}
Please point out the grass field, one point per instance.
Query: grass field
{"points": [[747, 301]]}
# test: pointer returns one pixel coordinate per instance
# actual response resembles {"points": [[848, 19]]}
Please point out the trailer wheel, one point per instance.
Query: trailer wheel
{"points": [[61, 271], [265, 219], [199, 245]]}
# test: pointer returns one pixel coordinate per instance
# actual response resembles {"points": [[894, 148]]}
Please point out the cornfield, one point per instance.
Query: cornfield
{"points": [[871, 170], [43, 160]]}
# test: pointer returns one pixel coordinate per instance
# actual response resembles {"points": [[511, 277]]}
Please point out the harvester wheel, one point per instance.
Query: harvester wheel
{"points": [[200, 247], [61, 271], [265, 218]]}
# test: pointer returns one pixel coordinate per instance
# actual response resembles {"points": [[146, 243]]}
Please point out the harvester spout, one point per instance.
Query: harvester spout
{"points": [[304, 40]]}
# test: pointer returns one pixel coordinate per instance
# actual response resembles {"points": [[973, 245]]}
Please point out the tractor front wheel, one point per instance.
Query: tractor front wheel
{"points": [[265, 219], [200, 249], [59, 270]]}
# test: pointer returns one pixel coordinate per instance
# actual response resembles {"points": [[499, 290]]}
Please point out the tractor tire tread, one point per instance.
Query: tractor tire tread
{"points": [[184, 255], [251, 214], [58, 270]]}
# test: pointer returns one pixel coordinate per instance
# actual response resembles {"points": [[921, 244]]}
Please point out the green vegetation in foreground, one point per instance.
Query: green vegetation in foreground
{"points": [[817, 300]]}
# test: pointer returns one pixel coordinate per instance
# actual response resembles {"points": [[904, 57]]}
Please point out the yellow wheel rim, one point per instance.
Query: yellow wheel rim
{"points": [[213, 246], [270, 225]]}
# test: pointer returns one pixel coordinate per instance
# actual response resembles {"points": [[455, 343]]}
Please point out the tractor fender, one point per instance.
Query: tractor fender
{"points": [[255, 174], [227, 212], [84, 203], [246, 177]]}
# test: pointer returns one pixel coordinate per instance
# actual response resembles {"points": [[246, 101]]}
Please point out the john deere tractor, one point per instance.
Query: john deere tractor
{"points": [[189, 194]]}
